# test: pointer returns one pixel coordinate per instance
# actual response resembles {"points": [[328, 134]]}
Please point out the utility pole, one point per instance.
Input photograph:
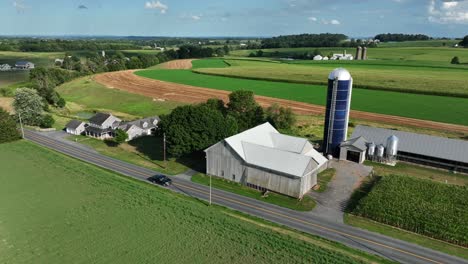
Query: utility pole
{"points": [[210, 189], [164, 143], [21, 124]]}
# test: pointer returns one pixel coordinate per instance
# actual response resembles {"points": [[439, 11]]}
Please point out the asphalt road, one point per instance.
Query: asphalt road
{"points": [[374, 243]]}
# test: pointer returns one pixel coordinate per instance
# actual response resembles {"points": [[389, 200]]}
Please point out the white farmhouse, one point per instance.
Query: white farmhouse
{"points": [[5, 67]]}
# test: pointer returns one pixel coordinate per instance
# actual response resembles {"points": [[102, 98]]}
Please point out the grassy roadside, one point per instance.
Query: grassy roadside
{"points": [[323, 178], [306, 204], [405, 235], [144, 151]]}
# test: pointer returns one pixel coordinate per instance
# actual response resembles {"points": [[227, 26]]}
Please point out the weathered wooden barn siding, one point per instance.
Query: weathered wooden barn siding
{"points": [[223, 162]]}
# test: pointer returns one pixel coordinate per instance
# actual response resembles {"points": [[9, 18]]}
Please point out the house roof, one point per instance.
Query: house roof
{"points": [[99, 118], [265, 147], [97, 130], [139, 123], [74, 124], [438, 147], [359, 143], [22, 62]]}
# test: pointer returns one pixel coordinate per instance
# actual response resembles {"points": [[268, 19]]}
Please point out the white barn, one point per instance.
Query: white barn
{"points": [[264, 159]]}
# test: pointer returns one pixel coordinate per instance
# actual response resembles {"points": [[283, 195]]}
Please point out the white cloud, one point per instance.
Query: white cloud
{"points": [[312, 19], [157, 5], [448, 12], [196, 18], [20, 6], [330, 22]]}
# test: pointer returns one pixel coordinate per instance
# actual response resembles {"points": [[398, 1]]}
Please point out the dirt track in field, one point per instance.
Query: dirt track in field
{"points": [[162, 91]]}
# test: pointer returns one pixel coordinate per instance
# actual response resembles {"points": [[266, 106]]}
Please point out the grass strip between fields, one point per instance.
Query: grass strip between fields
{"points": [[404, 235], [306, 204]]}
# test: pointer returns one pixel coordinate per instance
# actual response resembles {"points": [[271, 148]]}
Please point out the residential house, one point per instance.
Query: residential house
{"points": [[102, 126], [24, 65], [5, 67], [75, 127], [141, 127]]}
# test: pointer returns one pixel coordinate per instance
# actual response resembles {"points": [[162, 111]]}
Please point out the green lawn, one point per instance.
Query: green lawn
{"points": [[86, 92], [55, 209], [324, 178], [436, 108], [306, 204], [144, 151], [411, 170]]}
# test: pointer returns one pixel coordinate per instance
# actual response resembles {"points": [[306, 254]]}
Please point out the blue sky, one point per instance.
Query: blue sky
{"points": [[233, 18]]}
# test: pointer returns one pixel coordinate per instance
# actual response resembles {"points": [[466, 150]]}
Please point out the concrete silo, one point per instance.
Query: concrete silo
{"points": [[340, 86], [358, 53]]}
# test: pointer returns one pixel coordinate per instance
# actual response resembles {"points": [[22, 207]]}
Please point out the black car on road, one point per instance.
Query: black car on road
{"points": [[161, 180]]}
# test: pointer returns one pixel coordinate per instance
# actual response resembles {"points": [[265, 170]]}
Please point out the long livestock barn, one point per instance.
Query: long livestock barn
{"points": [[264, 159], [450, 154]]}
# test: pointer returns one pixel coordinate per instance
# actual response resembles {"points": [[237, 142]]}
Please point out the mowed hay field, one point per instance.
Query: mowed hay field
{"points": [[426, 107], [54, 209], [429, 208], [88, 93]]}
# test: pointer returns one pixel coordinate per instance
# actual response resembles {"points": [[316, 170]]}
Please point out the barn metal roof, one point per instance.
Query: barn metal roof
{"points": [[438, 147], [265, 147]]}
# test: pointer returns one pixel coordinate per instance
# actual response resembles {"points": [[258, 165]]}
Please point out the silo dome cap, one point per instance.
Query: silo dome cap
{"points": [[341, 74]]}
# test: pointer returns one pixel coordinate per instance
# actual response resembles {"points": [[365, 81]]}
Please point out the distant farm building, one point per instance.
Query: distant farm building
{"points": [[24, 65], [318, 58], [264, 159], [450, 154], [5, 67]]}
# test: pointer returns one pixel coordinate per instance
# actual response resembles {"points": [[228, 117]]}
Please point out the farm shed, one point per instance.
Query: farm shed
{"points": [[450, 154], [24, 65], [354, 150], [264, 159]]}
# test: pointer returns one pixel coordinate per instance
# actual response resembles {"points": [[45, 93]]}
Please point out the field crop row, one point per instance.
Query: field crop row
{"points": [[54, 209], [421, 206]]}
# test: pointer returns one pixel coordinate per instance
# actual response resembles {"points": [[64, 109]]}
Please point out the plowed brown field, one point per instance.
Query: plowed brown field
{"points": [[177, 64], [159, 90]]}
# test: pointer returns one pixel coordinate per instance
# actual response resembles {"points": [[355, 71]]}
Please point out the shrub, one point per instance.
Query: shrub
{"points": [[455, 60], [120, 136], [8, 131], [47, 121]]}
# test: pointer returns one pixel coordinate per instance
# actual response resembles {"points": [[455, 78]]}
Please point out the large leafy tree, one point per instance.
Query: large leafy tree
{"points": [[190, 128], [280, 117], [29, 105], [243, 107], [120, 136], [8, 131]]}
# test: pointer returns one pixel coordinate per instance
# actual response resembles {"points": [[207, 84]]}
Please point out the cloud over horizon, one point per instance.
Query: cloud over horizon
{"points": [[157, 5]]}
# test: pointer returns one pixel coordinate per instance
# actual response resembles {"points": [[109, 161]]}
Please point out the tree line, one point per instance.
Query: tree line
{"points": [[193, 128], [304, 40], [401, 37]]}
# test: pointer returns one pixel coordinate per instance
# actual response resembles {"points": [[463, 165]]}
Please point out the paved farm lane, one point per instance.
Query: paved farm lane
{"points": [[394, 249]]}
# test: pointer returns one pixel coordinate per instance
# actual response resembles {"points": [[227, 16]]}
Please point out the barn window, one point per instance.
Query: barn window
{"points": [[222, 173], [233, 177]]}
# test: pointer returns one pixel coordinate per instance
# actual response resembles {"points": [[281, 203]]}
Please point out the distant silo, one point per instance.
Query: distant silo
{"points": [[364, 53], [340, 86], [358, 53]]}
